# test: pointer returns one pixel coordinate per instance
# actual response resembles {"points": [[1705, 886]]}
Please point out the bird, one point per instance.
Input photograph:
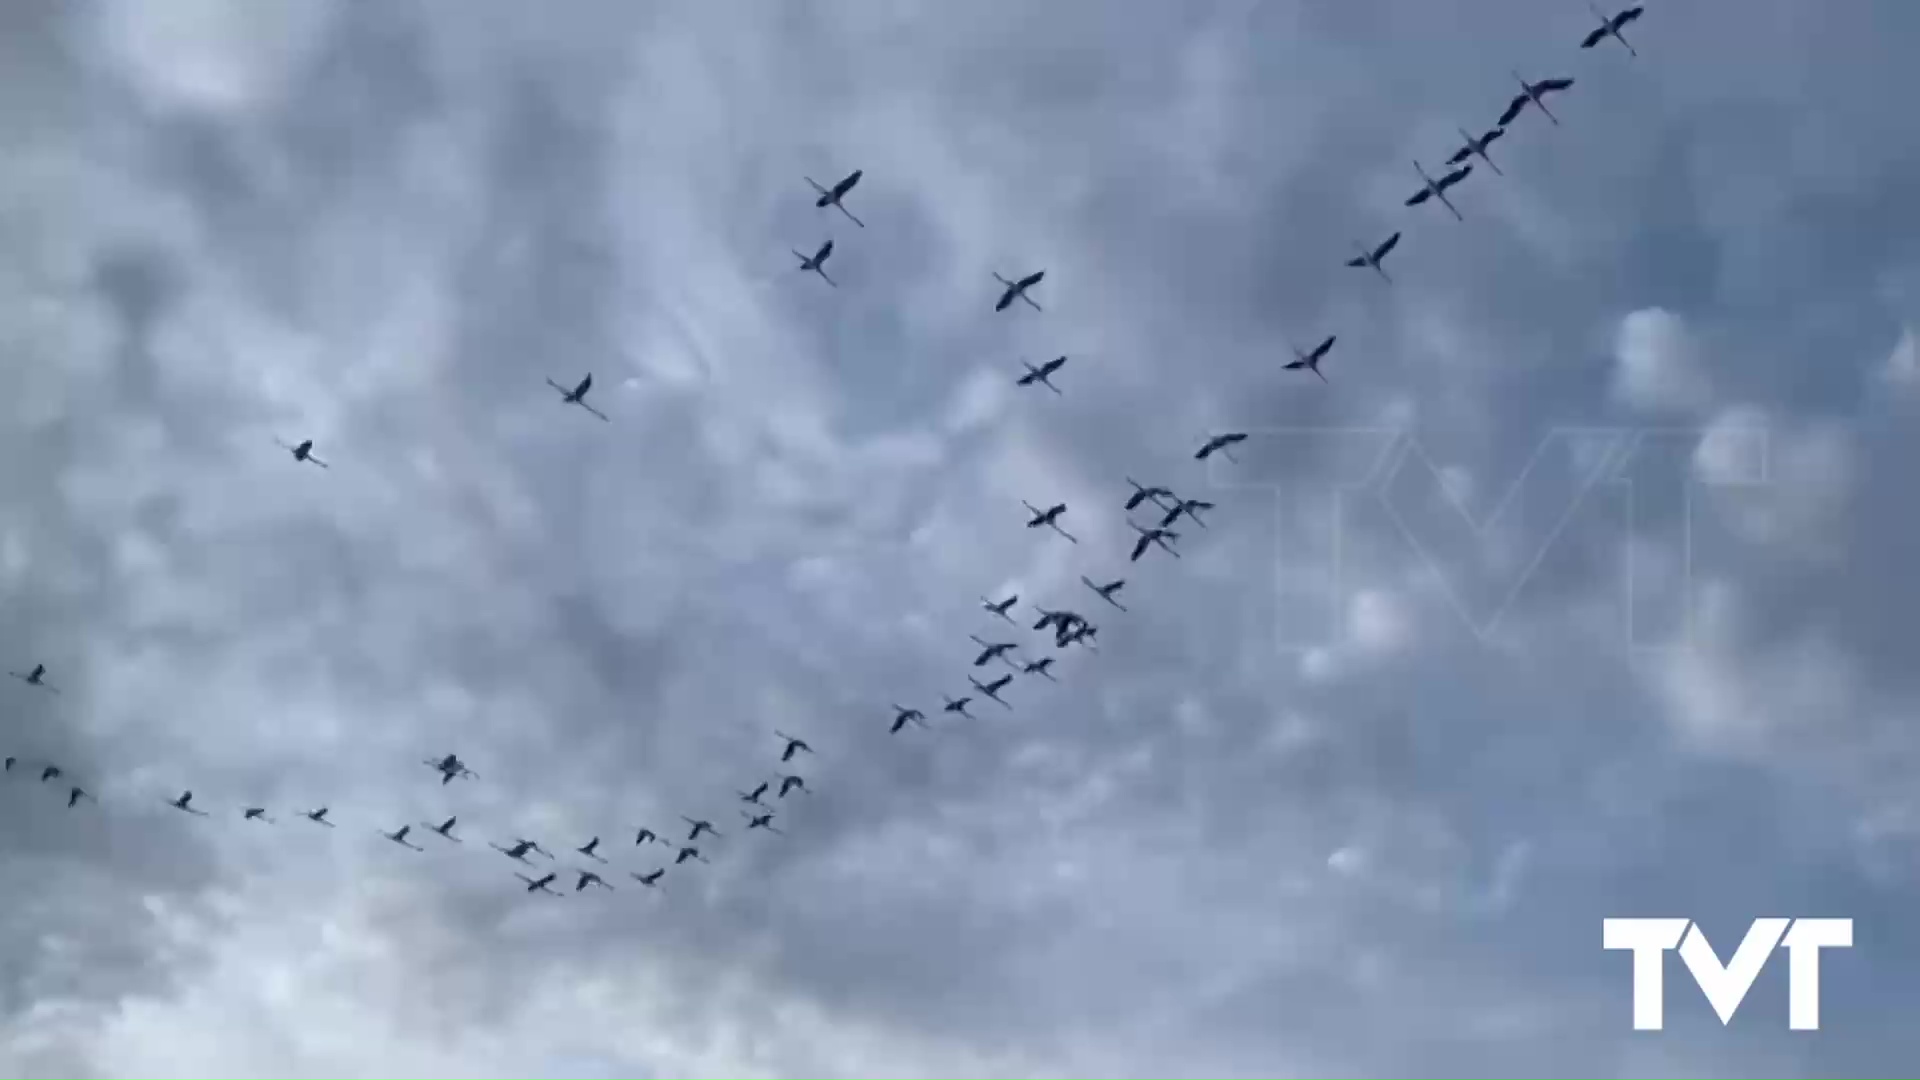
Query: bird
{"points": [[814, 264], [1041, 374], [1533, 94], [539, 884], [1372, 257], [1435, 189], [37, 677], [1050, 517], [450, 768], [256, 813], [301, 451], [957, 706], [578, 395], [1081, 635], [318, 817], [992, 689], [1189, 507], [588, 877], [754, 795], [399, 836], [999, 607], [645, 835], [1473, 148], [587, 849], [1158, 536], [1219, 444], [1017, 290], [10, 763], [445, 829], [793, 783], [699, 827], [1142, 494], [991, 650], [1310, 361], [793, 745], [688, 853], [1039, 667], [51, 772], [1610, 27], [903, 717], [184, 803], [648, 879], [761, 821], [78, 793], [1061, 621], [1106, 591], [832, 196], [518, 852]]}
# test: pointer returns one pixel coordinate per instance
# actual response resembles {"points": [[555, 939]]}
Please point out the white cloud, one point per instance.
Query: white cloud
{"points": [[1657, 363]]}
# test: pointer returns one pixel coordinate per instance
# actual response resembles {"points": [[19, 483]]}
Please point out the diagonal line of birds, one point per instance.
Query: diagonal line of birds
{"points": [[1069, 628]]}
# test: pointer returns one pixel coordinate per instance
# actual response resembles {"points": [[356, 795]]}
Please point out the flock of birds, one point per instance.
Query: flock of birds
{"points": [[1069, 628]]}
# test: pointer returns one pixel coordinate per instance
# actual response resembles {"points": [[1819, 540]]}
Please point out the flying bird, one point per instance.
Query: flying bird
{"points": [[445, 829], [256, 813], [1106, 591], [51, 772], [78, 793], [1017, 290], [588, 877], [1081, 635], [1219, 444], [754, 795], [1534, 94], [1435, 189], [1040, 667], [36, 677], [793, 783], [587, 849], [761, 821], [1610, 27], [689, 853], [1061, 621], [1310, 361], [539, 884], [699, 827], [301, 451], [793, 745], [999, 607], [832, 196], [1192, 508], [450, 768], [957, 706], [645, 835], [184, 802], [1149, 537], [992, 689], [1142, 494], [904, 717], [1050, 517], [991, 650], [650, 879], [1473, 148], [814, 264], [399, 836], [578, 395], [318, 817], [1372, 257], [1042, 373]]}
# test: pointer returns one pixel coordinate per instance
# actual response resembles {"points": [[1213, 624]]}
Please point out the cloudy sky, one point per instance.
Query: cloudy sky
{"points": [[1575, 593]]}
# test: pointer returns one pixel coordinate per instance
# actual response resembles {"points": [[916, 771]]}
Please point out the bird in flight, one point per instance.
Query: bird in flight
{"points": [[1106, 591], [834, 195], [793, 746], [301, 451], [999, 607], [1370, 257], [689, 853], [699, 827], [1148, 537], [256, 813], [957, 706], [992, 689], [1310, 361], [1220, 444], [903, 716], [793, 783], [649, 879], [1192, 508], [450, 768], [1534, 94], [588, 877], [445, 829], [318, 817], [578, 395], [399, 836], [761, 821], [51, 772], [37, 677], [540, 884], [1436, 189], [990, 651], [184, 802], [1040, 667], [1473, 148], [1043, 373], [754, 795], [1610, 27], [1141, 494], [645, 835], [1050, 517], [814, 264], [1017, 290], [588, 848], [78, 793]]}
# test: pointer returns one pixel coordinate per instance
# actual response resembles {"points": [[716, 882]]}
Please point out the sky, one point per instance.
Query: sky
{"points": [[1572, 593]]}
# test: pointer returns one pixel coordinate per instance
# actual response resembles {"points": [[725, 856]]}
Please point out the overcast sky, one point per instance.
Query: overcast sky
{"points": [[1577, 591]]}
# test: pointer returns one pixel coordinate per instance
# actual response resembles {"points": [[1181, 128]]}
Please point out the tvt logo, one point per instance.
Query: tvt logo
{"points": [[1726, 985]]}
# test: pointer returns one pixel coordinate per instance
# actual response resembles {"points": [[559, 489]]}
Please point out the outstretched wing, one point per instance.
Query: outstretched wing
{"points": [[1627, 16], [1460, 155], [1513, 109], [1053, 365], [1550, 86], [1032, 279], [1595, 37], [1456, 176], [1386, 245], [1419, 197], [846, 185]]}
